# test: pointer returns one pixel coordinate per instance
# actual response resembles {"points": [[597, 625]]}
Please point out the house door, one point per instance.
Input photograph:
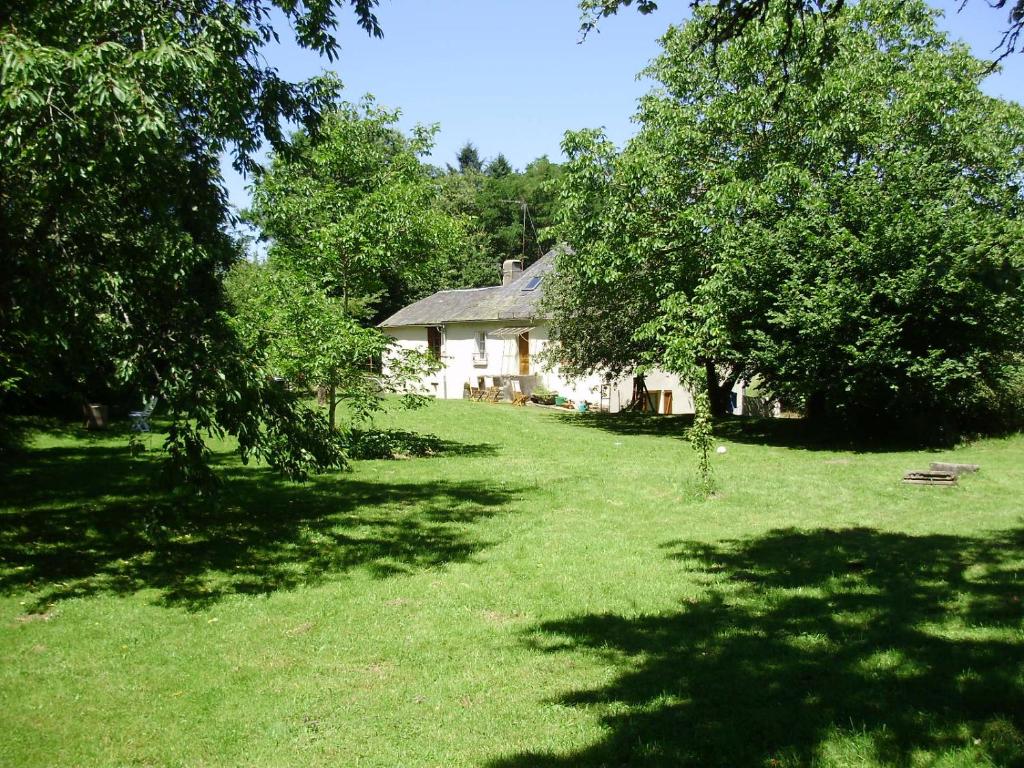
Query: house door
{"points": [[434, 341], [524, 354]]}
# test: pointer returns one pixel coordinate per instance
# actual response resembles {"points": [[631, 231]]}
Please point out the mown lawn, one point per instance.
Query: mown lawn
{"points": [[548, 592]]}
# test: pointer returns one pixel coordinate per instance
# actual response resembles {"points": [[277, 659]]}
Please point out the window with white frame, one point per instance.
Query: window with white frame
{"points": [[480, 353]]}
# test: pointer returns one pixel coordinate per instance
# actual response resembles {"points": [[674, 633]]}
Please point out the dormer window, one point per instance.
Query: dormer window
{"points": [[532, 283]]}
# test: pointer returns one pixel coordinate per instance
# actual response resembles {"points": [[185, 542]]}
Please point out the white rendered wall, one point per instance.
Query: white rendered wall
{"points": [[656, 381], [461, 366], [661, 381], [578, 390], [458, 347], [413, 337], [458, 355]]}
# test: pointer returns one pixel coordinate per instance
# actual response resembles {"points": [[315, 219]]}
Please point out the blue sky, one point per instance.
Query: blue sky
{"points": [[512, 77]]}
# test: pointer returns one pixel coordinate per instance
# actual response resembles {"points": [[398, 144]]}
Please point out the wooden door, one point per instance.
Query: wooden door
{"points": [[666, 401], [434, 341], [524, 354]]}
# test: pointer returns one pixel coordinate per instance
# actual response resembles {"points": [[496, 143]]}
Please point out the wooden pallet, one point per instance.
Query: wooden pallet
{"points": [[929, 477]]}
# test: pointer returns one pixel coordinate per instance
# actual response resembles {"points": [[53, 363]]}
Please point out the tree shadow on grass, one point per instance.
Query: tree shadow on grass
{"points": [[87, 521], [781, 433], [630, 424], [828, 647]]}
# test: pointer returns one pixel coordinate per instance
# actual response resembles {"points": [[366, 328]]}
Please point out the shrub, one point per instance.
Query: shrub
{"points": [[391, 444]]}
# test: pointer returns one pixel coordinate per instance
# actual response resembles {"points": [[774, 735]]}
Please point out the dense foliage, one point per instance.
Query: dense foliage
{"points": [[356, 230], [310, 341], [510, 213], [851, 235], [353, 209], [114, 218], [728, 19]]}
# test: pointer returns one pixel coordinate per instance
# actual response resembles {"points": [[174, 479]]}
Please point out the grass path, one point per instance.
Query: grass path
{"points": [[549, 592]]}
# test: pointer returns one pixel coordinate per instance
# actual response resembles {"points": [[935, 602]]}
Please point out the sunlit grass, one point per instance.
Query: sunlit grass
{"points": [[551, 591]]}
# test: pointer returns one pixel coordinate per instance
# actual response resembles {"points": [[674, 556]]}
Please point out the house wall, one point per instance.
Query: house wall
{"points": [[659, 382], [551, 377], [458, 355], [459, 347], [415, 337]]}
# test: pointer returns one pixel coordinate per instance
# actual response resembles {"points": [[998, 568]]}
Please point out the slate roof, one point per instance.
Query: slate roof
{"points": [[498, 302]]}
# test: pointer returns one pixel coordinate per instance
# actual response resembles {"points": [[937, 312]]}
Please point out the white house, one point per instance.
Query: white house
{"points": [[500, 330]]}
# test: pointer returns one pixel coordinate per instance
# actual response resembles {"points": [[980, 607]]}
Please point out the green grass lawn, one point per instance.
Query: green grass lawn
{"points": [[550, 591]]}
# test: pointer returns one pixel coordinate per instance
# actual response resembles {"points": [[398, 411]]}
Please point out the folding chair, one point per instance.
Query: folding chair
{"points": [[478, 393], [140, 419], [493, 393], [518, 397]]}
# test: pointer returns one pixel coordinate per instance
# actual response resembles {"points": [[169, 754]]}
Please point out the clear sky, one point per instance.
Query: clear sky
{"points": [[511, 75]]}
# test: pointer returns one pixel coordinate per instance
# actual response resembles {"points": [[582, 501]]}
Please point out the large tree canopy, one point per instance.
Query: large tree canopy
{"points": [[727, 19], [854, 239], [356, 230], [352, 206], [114, 219]]}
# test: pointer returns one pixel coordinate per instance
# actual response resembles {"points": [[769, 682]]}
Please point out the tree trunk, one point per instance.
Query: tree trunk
{"points": [[332, 405], [718, 392], [816, 407]]}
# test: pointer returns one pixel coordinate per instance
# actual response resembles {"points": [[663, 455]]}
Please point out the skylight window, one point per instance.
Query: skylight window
{"points": [[532, 283]]}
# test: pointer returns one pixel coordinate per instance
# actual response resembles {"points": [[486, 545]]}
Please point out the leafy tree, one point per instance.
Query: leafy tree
{"points": [[353, 208], [853, 238], [499, 167], [516, 210], [701, 437], [539, 184], [600, 301], [511, 215], [474, 265], [728, 19], [112, 118], [312, 342], [352, 216]]}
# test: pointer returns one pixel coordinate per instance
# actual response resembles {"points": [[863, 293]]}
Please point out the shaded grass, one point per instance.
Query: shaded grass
{"points": [[782, 433], [539, 593], [876, 648], [91, 521]]}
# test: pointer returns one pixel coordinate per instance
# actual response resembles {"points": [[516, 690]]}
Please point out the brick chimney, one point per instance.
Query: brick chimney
{"points": [[511, 269]]}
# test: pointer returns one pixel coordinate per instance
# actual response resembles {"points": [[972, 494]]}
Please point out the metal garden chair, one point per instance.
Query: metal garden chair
{"points": [[140, 419]]}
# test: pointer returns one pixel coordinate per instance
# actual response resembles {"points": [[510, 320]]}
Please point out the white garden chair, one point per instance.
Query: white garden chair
{"points": [[140, 419]]}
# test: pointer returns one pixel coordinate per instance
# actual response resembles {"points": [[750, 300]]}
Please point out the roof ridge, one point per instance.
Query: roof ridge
{"points": [[462, 290]]}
